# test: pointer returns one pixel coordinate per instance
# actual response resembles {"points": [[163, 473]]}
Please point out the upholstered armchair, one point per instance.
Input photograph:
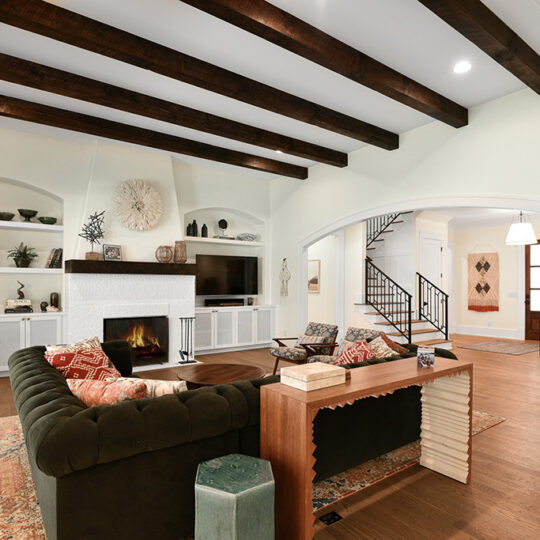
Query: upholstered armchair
{"points": [[318, 339], [353, 335]]}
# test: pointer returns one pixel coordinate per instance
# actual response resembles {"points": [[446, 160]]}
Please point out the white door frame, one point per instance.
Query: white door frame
{"points": [[406, 206]]}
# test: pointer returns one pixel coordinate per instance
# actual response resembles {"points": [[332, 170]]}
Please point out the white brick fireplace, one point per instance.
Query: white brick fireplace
{"points": [[91, 298]]}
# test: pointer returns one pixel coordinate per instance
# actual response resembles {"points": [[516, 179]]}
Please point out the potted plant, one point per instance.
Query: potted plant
{"points": [[22, 255], [93, 232]]}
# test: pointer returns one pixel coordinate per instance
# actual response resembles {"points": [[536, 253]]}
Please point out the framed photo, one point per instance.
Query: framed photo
{"points": [[314, 276], [112, 252]]}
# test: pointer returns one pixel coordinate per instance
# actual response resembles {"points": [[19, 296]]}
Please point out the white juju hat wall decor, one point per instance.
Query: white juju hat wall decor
{"points": [[138, 205]]}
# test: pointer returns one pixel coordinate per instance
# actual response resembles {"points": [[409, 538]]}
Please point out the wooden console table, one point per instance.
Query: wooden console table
{"points": [[287, 416]]}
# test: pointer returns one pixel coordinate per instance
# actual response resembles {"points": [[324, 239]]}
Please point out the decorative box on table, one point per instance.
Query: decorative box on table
{"points": [[313, 376]]}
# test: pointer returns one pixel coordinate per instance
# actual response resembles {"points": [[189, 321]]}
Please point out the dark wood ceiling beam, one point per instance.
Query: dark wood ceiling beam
{"points": [[99, 127], [58, 23], [474, 20], [60, 82], [285, 30]]}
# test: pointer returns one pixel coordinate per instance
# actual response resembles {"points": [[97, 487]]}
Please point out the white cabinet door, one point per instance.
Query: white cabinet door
{"points": [[43, 330], [204, 330], [264, 325], [11, 338], [225, 335], [245, 327]]}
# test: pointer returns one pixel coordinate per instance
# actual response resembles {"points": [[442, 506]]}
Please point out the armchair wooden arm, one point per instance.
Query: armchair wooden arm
{"points": [[313, 349], [281, 339]]}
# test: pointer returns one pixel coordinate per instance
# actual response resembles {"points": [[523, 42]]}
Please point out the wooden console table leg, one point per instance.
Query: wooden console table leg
{"points": [[287, 442], [447, 426]]}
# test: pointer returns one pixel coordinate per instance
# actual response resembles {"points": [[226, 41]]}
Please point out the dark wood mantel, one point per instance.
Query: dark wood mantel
{"points": [[79, 266]]}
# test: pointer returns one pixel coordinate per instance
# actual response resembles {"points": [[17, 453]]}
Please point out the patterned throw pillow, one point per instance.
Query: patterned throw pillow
{"points": [[396, 347], [359, 352], [381, 349], [304, 338], [90, 343], [92, 392], [84, 364], [343, 346], [155, 388]]}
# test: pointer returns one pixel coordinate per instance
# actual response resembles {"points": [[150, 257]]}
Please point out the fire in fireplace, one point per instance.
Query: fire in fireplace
{"points": [[148, 336]]}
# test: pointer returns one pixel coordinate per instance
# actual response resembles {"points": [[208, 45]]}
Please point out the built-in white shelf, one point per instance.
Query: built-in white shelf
{"points": [[15, 270], [223, 241], [29, 226], [36, 311]]}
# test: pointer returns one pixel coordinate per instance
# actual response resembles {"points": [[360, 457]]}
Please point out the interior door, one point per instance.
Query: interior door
{"points": [[431, 267], [532, 291], [431, 258]]}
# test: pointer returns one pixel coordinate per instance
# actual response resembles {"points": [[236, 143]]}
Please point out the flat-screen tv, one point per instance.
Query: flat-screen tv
{"points": [[224, 274]]}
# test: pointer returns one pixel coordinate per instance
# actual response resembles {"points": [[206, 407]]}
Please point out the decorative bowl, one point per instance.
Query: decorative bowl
{"points": [[247, 237], [27, 214], [6, 216], [47, 220]]}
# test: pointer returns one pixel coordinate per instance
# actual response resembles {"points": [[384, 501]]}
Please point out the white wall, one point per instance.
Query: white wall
{"points": [[508, 321], [321, 305], [496, 156], [82, 177]]}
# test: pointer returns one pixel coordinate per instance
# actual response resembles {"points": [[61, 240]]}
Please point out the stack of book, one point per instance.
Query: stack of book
{"points": [[18, 306], [55, 259]]}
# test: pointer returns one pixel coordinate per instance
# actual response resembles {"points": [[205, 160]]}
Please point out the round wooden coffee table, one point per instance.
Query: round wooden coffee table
{"points": [[210, 374]]}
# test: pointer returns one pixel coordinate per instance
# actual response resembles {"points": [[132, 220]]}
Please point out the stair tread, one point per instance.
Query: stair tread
{"points": [[415, 332], [386, 312], [387, 230], [432, 342], [386, 323]]}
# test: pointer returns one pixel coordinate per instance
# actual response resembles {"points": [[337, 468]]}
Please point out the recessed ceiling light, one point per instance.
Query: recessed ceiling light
{"points": [[279, 152], [462, 66]]}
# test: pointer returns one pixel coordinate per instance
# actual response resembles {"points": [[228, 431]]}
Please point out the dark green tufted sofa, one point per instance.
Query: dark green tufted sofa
{"points": [[127, 471]]}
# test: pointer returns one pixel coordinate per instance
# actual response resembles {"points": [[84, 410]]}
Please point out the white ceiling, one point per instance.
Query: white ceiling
{"points": [[461, 219], [401, 33]]}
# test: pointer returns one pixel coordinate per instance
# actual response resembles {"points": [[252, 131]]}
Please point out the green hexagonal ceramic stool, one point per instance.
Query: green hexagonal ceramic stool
{"points": [[234, 499]]}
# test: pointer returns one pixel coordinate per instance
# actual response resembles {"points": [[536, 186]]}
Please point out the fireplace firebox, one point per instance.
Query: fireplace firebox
{"points": [[148, 337]]}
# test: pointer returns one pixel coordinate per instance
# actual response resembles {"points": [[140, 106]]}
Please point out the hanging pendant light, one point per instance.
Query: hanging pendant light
{"points": [[521, 233]]}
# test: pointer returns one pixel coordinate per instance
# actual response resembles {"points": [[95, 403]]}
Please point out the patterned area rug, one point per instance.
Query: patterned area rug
{"points": [[20, 517], [503, 347], [344, 484]]}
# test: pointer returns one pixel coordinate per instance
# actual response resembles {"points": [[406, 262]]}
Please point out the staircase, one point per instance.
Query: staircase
{"points": [[378, 227], [388, 306]]}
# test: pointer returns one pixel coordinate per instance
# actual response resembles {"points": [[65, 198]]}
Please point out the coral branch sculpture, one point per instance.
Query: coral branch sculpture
{"points": [[93, 230]]}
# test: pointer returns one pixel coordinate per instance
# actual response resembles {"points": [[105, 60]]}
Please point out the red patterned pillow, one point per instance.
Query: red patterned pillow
{"points": [[92, 392], [359, 352], [84, 364]]}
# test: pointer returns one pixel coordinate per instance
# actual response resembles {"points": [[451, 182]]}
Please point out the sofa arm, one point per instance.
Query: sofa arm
{"points": [[63, 436]]}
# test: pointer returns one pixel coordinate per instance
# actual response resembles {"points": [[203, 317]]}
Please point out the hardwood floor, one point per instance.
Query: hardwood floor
{"points": [[501, 502]]}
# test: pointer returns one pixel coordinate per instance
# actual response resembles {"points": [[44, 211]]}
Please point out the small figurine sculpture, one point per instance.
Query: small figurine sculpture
{"points": [[20, 290], [43, 306]]}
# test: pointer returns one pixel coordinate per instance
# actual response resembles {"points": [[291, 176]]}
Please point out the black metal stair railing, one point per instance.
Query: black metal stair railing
{"points": [[390, 300], [432, 304], [377, 225]]}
